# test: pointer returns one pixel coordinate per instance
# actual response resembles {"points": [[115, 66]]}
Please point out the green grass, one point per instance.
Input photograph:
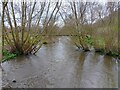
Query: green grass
{"points": [[7, 55], [89, 40]]}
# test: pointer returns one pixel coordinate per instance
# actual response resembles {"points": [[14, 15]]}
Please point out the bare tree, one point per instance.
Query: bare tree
{"points": [[23, 37]]}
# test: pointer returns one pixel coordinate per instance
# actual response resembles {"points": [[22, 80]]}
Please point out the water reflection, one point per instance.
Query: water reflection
{"points": [[96, 71], [62, 66]]}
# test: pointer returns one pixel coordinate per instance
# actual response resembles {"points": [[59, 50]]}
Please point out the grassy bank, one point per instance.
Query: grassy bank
{"points": [[100, 45]]}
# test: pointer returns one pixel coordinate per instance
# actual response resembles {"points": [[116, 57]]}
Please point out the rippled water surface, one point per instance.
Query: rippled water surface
{"points": [[61, 65]]}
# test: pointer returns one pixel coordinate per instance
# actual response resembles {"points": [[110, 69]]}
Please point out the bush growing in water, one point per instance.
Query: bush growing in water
{"points": [[102, 30], [23, 34]]}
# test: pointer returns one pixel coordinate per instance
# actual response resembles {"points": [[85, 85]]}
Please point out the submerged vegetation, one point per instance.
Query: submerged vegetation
{"points": [[28, 25]]}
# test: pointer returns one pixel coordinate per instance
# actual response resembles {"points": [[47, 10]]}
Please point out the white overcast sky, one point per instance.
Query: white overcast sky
{"points": [[102, 1]]}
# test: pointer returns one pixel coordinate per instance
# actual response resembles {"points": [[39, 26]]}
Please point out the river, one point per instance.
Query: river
{"points": [[61, 65]]}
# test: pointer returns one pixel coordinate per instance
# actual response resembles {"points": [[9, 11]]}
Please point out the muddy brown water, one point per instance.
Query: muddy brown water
{"points": [[61, 65]]}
